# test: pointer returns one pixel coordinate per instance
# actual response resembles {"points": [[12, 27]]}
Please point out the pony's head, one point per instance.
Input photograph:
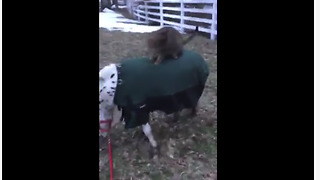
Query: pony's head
{"points": [[108, 77]]}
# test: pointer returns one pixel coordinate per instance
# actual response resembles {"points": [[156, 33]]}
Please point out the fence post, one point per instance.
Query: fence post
{"points": [[146, 12], [161, 13], [214, 18], [138, 8], [129, 7], [181, 16], [132, 9]]}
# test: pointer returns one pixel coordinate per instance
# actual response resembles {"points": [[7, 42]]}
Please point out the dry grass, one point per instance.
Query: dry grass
{"points": [[189, 148]]}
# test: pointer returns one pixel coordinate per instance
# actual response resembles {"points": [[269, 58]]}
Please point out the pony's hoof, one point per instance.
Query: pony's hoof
{"points": [[154, 152]]}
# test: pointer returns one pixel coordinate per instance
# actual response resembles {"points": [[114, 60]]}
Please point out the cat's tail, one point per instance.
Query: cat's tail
{"points": [[191, 36]]}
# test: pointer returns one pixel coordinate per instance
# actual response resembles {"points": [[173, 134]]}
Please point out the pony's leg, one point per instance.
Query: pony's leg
{"points": [[103, 126], [155, 150], [139, 135], [147, 131], [176, 116], [194, 110], [105, 114], [159, 59]]}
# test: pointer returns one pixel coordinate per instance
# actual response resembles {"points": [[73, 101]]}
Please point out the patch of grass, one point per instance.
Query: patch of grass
{"points": [[167, 172], [156, 176], [207, 148], [209, 130], [136, 164]]}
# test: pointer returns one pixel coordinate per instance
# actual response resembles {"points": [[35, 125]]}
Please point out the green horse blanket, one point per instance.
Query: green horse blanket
{"points": [[170, 86]]}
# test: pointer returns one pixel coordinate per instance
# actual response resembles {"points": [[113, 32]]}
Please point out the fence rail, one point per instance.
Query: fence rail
{"points": [[143, 9]]}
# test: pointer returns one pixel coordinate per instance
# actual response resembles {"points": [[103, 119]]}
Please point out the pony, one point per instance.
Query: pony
{"points": [[137, 87]]}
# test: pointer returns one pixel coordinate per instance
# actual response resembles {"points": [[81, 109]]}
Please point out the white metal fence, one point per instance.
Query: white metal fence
{"points": [[181, 11]]}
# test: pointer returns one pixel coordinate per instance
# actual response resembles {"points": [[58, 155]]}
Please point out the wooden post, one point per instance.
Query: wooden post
{"points": [[214, 18], [181, 15], [146, 12], [128, 4], [161, 13], [131, 8], [137, 8]]}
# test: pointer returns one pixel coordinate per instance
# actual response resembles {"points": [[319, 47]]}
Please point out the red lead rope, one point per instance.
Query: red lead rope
{"points": [[109, 143], [110, 158]]}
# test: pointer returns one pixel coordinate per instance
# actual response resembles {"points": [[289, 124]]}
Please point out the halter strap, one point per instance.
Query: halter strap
{"points": [[108, 121]]}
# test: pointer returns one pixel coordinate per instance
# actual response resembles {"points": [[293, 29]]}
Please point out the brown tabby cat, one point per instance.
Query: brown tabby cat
{"points": [[167, 42]]}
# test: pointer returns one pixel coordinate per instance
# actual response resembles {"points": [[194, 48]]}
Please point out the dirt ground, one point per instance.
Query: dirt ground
{"points": [[188, 149]]}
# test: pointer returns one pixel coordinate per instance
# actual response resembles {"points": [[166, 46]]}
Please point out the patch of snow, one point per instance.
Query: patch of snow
{"points": [[112, 21], [119, 6]]}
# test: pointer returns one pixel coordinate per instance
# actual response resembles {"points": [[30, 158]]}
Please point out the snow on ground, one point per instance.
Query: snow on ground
{"points": [[119, 6], [113, 21]]}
